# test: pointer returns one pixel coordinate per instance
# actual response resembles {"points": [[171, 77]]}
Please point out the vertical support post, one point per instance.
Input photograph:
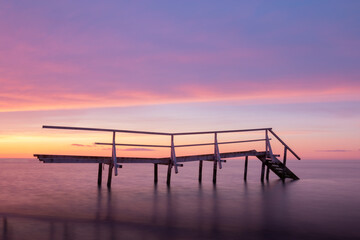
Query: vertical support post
{"points": [[100, 174], [245, 168], [284, 162], [266, 155], [214, 171], [155, 172], [172, 161], [114, 155], [200, 170], [262, 172], [168, 174], [216, 158], [267, 172], [109, 175]]}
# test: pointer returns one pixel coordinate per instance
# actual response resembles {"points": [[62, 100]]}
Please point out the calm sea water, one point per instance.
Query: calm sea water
{"points": [[62, 201]]}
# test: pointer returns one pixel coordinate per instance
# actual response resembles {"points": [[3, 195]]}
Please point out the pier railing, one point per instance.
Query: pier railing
{"points": [[172, 146]]}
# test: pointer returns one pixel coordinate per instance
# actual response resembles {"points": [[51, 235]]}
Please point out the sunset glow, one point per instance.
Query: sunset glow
{"points": [[179, 66]]}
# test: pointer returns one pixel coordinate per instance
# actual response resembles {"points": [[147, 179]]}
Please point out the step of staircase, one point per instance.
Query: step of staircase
{"points": [[277, 167]]}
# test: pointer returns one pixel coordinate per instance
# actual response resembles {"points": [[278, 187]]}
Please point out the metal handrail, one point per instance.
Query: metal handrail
{"points": [[136, 145], [186, 145], [173, 134], [173, 146], [105, 130], [225, 131], [153, 133], [285, 145]]}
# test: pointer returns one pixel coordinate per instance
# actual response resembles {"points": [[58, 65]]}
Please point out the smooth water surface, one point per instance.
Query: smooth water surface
{"points": [[62, 201]]}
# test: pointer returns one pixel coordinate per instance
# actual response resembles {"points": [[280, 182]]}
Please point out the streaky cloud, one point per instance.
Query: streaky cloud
{"points": [[334, 150], [138, 149], [82, 145]]}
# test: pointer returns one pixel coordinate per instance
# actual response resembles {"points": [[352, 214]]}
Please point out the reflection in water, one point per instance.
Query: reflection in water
{"points": [[200, 209], [5, 228], [138, 209], [206, 221], [109, 224], [214, 214], [52, 230], [155, 205]]}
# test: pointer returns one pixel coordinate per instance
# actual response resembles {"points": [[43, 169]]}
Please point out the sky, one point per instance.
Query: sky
{"points": [[177, 66]]}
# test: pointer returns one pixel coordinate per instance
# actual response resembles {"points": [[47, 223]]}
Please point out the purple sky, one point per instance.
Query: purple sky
{"points": [[298, 61]]}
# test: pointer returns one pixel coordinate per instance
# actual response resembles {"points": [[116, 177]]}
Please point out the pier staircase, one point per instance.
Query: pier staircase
{"points": [[276, 166]]}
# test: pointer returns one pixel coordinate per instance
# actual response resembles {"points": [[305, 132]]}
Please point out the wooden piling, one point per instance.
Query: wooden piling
{"points": [[284, 163], [214, 171], [100, 174], [155, 173], [245, 168], [267, 172], [109, 175], [262, 172], [200, 170], [168, 174]]}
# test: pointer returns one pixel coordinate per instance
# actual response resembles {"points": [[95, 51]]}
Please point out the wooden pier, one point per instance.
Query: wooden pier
{"points": [[270, 161]]}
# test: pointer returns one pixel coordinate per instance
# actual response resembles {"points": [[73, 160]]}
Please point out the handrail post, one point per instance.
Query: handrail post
{"points": [[173, 156], [266, 143], [216, 151], [114, 154], [269, 151]]}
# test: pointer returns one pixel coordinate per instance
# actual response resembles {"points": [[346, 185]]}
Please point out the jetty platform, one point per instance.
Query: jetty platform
{"points": [[270, 161]]}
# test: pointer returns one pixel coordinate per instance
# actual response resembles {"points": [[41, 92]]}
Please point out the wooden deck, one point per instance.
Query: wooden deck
{"points": [[165, 160]]}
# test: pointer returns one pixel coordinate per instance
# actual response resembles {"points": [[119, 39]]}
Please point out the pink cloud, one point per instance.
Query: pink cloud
{"points": [[138, 149], [42, 98], [65, 64]]}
